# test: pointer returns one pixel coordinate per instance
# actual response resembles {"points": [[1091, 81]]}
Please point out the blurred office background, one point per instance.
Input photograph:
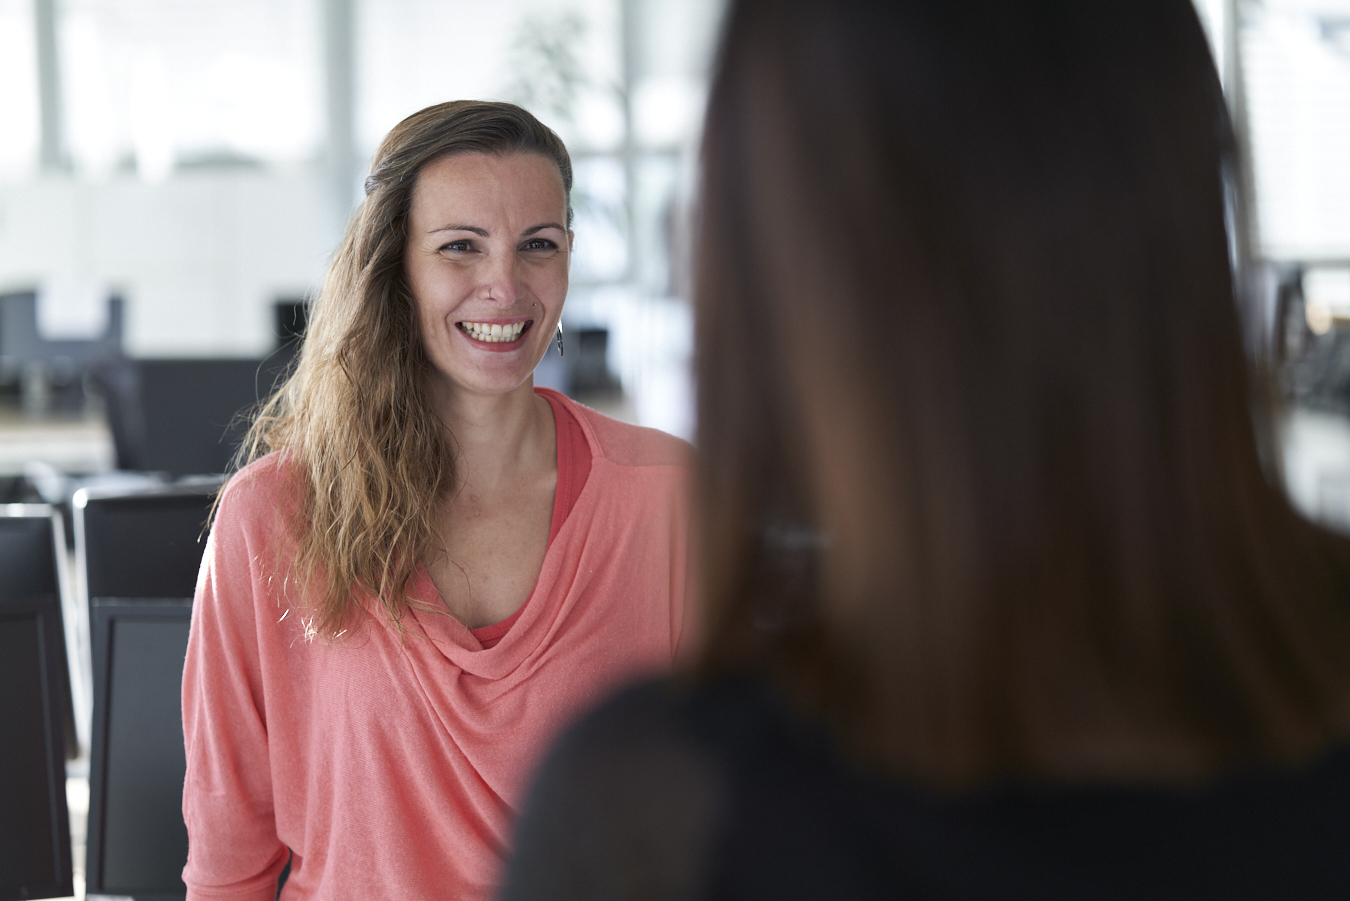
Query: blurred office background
{"points": [[1286, 66], [199, 161], [174, 175], [173, 178]]}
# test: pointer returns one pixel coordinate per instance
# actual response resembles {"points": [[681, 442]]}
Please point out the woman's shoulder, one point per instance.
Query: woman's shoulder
{"points": [[624, 808], [265, 487], [712, 719], [627, 444], [664, 778]]}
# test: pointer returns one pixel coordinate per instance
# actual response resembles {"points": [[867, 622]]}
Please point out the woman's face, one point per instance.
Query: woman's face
{"points": [[487, 257]]}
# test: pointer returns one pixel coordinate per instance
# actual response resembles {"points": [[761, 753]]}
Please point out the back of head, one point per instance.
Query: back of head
{"points": [[980, 480]]}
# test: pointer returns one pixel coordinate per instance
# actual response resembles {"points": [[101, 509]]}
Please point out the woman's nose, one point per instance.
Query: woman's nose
{"points": [[501, 280]]}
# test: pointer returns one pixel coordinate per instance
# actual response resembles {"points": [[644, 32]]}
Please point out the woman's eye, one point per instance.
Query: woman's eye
{"points": [[539, 246], [458, 247]]}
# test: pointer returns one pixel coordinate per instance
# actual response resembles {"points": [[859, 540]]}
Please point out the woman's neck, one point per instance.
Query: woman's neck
{"points": [[499, 438]]}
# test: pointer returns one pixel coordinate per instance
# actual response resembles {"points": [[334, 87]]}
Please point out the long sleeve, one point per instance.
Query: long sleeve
{"points": [[234, 851]]}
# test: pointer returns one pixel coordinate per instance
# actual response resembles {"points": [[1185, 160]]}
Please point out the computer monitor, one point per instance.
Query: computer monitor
{"points": [[136, 840], [23, 344], [35, 853], [141, 543]]}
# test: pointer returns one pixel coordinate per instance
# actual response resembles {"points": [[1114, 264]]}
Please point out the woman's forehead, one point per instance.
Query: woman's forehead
{"points": [[483, 180]]}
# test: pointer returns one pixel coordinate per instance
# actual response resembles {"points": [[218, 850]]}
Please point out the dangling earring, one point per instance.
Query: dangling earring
{"points": [[559, 337]]}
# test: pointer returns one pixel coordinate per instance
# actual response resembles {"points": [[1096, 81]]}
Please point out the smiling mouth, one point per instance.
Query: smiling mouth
{"points": [[494, 333]]}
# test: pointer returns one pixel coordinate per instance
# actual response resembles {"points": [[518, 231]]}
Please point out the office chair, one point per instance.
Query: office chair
{"points": [[137, 556], [35, 708]]}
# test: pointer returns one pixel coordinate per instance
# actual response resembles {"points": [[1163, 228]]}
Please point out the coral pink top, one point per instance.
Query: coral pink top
{"points": [[574, 465], [392, 765]]}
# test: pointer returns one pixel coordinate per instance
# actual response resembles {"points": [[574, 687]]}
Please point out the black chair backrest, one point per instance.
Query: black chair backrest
{"points": [[29, 537], [35, 710], [136, 842], [27, 551], [142, 544], [184, 417], [194, 411]]}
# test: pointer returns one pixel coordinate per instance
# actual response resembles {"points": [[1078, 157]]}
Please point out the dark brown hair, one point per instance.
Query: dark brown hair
{"points": [[979, 480], [354, 417]]}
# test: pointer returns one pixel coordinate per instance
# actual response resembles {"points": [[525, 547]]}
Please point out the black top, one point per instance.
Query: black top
{"points": [[720, 792]]}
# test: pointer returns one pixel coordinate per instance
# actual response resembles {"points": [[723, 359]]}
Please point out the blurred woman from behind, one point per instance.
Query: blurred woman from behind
{"points": [[998, 599]]}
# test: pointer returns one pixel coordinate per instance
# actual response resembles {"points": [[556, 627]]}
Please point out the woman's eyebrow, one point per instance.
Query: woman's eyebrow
{"points": [[481, 232]]}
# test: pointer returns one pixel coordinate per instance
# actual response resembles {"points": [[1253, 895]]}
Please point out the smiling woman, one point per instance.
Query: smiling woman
{"points": [[487, 261], [427, 564]]}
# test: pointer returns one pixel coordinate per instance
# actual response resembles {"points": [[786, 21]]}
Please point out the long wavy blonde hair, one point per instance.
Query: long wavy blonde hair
{"points": [[354, 417]]}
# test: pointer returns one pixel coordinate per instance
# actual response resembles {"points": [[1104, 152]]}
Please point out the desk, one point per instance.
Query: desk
{"points": [[72, 444]]}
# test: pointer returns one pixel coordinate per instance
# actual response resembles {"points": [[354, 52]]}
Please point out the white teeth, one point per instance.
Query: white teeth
{"points": [[494, 333]]}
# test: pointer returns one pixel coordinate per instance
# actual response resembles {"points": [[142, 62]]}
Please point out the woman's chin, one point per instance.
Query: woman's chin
{"points": [[481, 384]]}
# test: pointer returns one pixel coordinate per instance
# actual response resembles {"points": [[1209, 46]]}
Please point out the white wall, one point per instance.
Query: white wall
{"points": [[199, 258]]}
